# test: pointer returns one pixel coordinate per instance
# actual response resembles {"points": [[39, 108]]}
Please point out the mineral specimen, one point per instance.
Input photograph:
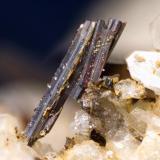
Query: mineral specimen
{"points": [[130, 135], [83, 63], [51, 104], [124, 116], [119, 118]]}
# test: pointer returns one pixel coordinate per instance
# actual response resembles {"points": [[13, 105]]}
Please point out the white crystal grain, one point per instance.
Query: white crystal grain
{"points": [[144, 66]]}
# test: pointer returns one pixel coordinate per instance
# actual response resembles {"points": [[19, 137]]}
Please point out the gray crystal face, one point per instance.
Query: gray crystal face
{"points": [[82, 64], [103, 41], [155, 32], [52, 102]]}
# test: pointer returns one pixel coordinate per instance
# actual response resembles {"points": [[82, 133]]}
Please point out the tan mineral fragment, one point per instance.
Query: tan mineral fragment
{"points": [[128, 88]]}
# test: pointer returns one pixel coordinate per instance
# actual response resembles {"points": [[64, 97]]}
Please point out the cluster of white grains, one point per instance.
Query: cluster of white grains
{"points": [[144, 66], [11, 146]]}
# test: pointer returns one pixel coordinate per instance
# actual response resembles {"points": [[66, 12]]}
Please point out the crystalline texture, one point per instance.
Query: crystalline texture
{"points": [[88, 150], [92, 45], [149, 148], [82, 123], [144, 66], [128, 88], [124, 144], [52, 102]]}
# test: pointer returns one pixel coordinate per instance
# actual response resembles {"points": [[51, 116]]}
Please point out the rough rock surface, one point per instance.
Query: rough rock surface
{"points": [[121, 122], [11, 145]]}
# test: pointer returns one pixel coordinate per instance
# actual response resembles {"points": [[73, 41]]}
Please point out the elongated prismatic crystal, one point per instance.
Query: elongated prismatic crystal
{"points": [[84, 62]]}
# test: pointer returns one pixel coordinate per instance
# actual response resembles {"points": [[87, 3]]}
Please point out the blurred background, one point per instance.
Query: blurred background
{"points": [[35, 35]]}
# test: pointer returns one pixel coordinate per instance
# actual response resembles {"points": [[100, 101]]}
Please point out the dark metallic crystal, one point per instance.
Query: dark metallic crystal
{"points": [[51, 104], [103, 41], [82, 64]]}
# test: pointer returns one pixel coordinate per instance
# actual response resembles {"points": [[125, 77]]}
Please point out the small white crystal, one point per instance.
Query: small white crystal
{"points": [[51, 156], [82, 123], [124, 144], [109, 154], [149, 148], [152, 120], [144, 66]]}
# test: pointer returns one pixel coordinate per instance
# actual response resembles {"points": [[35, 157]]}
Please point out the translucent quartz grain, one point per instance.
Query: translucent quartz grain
{"points": [[123, 144], [128, 88], [149, 149], [82, 123]]}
